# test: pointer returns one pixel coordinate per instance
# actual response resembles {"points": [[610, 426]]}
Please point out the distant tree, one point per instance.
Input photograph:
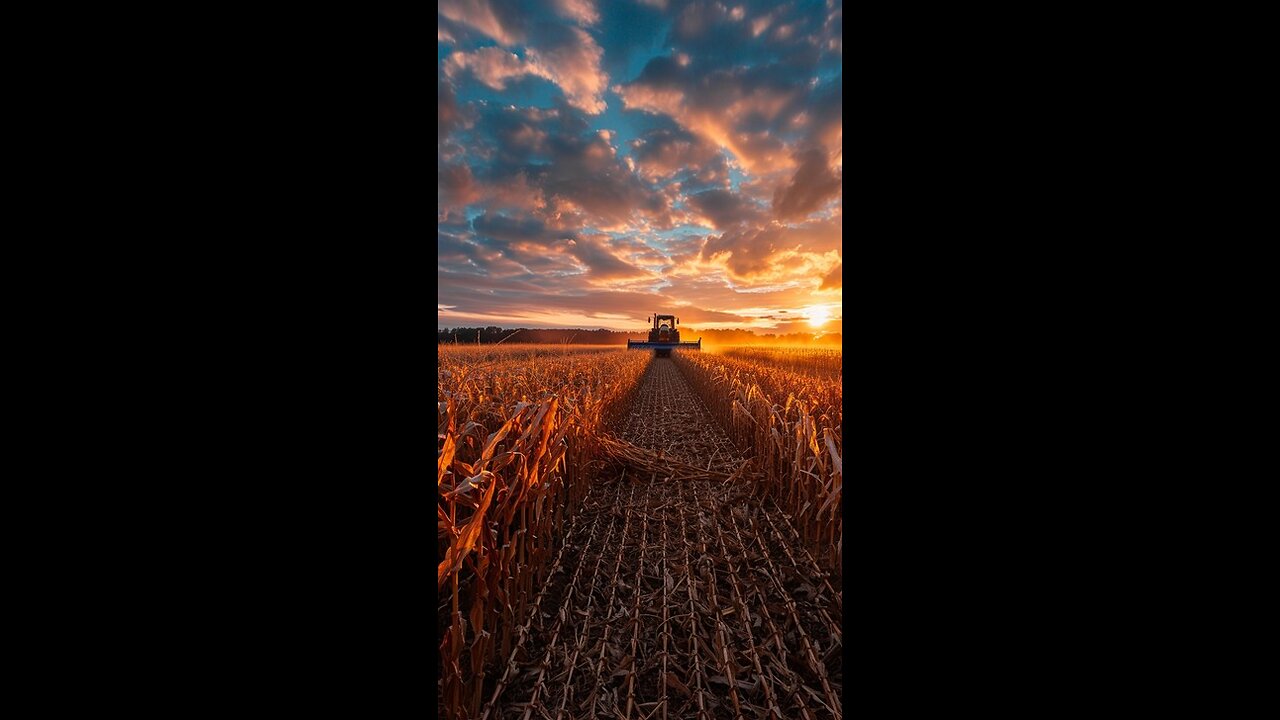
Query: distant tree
{"points": [[602, 336]]}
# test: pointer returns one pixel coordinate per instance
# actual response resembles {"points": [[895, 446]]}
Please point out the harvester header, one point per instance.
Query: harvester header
{"points": [[664, 337]]}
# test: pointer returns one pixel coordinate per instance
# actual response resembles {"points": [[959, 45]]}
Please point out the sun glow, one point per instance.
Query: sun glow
{"points": [[818, 316]]}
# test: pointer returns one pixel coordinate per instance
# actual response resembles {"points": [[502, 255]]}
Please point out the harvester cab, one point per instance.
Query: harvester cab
{"points": [[664, 337]]}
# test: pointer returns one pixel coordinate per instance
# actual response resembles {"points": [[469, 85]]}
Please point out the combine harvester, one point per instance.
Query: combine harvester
{"points": [[664, 337]]}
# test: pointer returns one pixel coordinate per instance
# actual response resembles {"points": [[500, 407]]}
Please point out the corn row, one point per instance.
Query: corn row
{"points": [[822, 362], [516, 454], [792, 424], [523, 631]]}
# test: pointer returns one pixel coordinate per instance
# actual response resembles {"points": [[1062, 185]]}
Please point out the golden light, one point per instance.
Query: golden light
{"points": [[818, 316]]}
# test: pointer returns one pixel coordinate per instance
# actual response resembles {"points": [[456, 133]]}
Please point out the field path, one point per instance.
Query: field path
{"points": [[669, 417], [679, 599]]}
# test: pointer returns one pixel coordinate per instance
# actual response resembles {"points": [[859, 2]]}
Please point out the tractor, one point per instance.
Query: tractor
{"points": [[664, 337]]}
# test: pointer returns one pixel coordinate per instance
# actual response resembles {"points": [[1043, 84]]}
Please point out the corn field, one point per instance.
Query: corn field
{"points": [[822, 362], [794, 422], [614, 539]]}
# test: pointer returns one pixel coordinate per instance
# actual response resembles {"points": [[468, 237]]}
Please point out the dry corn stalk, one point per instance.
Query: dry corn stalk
{"points": [[517, 446], [793, 422], [522, 434]]}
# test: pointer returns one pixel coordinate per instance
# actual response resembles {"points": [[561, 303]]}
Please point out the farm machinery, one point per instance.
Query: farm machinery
{"points": [[664, 337]]}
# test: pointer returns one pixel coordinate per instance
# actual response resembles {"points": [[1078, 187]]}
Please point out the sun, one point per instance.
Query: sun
{"points": [[818, 316]]}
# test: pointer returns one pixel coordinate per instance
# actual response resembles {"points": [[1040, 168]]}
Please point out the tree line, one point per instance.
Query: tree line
{"points": [[601, 336]]}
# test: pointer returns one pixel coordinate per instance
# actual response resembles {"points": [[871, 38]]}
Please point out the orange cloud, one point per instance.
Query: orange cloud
{"points": [[572, 63], [480, 15]]}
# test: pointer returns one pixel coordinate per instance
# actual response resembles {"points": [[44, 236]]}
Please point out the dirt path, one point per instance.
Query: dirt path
{"points": [[678, 600]]}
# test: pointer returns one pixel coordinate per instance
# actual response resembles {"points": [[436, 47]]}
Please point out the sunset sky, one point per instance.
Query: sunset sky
{"points": [[600, 160]]}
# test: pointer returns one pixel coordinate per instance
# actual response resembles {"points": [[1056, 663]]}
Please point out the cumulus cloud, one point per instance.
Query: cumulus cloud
{"points": [[494, 19], [583, 11], [716, 200], [732, 108], [502, 227], [833, 279], [455, 186], [548, 162], [774, 253], [666, 153], [585, 174], [600, 261], [530, 241], [492, 66], [723, 208], [747, 78], [567, 56], [826, 111], [689, 314], [447, 115], [570, 58], [812, 184], [746, 251]]}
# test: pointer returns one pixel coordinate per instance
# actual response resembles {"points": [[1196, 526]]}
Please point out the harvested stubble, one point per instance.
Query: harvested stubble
{"points": [[793, 422], [669, 419], [516, 449], [673, 592], [675, 602]]}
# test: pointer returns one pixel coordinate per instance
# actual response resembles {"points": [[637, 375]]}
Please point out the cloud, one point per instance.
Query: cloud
{"points": [[747, 78], [698, 315], [667, 153], [602, 263], [485, 16], [582, 11], [812, 184], [746, 251], [571, 60], [775, 253], [492, 66], [447, 115], [502, 227], [732, 108], [833, 279], [585, 175], [826, 115], [529, 241], [709, 187], [546, 161], [455, 186], [723, 208]]}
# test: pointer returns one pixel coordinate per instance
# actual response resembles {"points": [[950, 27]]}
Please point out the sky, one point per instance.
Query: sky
{"points": [[602, 160]]}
